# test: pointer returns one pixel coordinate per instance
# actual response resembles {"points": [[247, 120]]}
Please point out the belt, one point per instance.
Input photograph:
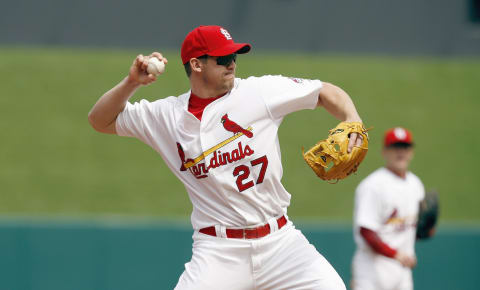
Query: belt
{"points": [[250, 233]]}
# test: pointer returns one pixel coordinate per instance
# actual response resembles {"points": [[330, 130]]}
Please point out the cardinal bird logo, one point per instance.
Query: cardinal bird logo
{"points": [[233, 127], [200, 168], [394, 219]]}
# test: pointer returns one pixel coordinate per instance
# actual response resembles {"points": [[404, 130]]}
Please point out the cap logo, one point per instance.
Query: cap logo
{"points": [[225, 33], [400, 133]]}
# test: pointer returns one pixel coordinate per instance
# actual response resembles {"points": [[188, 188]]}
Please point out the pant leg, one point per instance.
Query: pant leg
{"points": [[406, 282], [286, 260], [363, 272], [376, 272], [217, 263]]}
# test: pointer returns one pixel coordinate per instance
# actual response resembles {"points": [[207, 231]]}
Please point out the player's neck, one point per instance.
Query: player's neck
{"points": [[206, 92], [398, 172]]}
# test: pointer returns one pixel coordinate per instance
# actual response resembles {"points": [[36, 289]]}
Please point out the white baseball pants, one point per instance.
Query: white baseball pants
{"points": [[371, 271], [281, 260]]}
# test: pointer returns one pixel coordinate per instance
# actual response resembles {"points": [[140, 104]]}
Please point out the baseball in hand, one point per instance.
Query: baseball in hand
{"points": [[155, 66]]}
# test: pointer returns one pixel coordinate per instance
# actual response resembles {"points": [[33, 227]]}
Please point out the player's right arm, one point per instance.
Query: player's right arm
{"points": [[339, 104], [381, 248], [103, 115]]}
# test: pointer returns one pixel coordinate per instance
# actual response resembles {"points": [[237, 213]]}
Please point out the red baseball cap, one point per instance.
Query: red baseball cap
{"points": [[398, 135], [212, 40]]}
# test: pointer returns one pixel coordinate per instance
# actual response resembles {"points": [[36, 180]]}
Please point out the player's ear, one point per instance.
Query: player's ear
{"points": [[196, 65]]}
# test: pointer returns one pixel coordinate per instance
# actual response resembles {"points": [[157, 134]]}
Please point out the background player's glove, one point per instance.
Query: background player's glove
{"points": [[329, 158], [428, 215]]}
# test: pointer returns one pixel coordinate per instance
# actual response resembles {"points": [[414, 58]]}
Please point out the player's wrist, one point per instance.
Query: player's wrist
{"points": [[352, 119], [131, 82], [396, 255]]}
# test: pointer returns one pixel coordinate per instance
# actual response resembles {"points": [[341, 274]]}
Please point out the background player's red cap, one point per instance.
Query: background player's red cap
{"points": [[212, 40], [398, 135]]}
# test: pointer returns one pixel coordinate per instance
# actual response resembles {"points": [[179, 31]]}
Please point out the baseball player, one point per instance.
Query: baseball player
{"points": [[220, 139], [385, 219]]}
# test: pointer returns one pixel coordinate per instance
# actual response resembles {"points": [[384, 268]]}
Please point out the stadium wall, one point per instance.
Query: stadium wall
{"points": [[101, 255], [441, 27]]}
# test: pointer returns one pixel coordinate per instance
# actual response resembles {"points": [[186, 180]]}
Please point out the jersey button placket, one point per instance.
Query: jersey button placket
{"points": [[204, 133], [208, 127]]}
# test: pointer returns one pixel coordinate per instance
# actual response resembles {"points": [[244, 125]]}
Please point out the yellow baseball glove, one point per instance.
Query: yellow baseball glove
{"points": [[329, 158]]}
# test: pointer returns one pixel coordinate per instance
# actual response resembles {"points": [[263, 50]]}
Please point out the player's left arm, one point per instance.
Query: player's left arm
{"points": [[338, 103]]}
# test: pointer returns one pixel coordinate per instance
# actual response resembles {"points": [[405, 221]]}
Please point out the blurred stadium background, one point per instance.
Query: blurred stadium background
{"points": [[81, 210]]}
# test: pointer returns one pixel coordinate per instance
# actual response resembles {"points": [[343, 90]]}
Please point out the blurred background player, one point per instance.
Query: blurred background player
{"points": [[385, 219]]}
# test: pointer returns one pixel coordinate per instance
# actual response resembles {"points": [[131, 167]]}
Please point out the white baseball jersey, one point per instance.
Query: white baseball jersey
{"points": [[229, 161], [388, 205]]}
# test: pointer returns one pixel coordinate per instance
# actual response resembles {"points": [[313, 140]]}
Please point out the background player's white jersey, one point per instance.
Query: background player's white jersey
{"points": [[388, 205], [230, 161]]}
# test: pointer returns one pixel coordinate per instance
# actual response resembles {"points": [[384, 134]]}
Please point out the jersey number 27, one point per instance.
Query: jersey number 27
{"points": [[243, 172]]}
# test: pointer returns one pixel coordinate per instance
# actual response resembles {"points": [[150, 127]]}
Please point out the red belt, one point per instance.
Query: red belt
{"points": [[253, 233]]}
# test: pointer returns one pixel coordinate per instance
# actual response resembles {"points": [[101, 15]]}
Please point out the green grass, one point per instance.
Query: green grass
{"points": [[52, 162]]}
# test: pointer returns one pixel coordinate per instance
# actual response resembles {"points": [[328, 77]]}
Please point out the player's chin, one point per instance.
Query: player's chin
{"points": [[229, 81], [229, 76], [402, 166]]}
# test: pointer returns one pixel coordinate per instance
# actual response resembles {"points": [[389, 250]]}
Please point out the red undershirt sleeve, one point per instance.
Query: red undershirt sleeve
{"points": [[374, 241]]}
